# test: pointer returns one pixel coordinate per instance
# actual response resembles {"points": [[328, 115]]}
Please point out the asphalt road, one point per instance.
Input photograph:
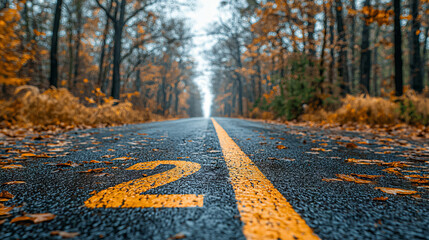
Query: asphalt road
{"points": [[223, 179]]}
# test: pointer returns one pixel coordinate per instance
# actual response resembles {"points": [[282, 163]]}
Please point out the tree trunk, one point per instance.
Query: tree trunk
{"points": [[365, 60], [332, 50], [53, 78], [103, 51], [398, 48], [424, 60], [77, 47], [325, 31], [351, 61], [342, 60], [116, 79], [415, 63]]}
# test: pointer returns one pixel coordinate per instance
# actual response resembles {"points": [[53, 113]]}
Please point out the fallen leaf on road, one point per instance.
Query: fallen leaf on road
{"points": [[318, 149], [4, 211], [142, 134], [281, 147], [13, 166], [34, 218], [2, 221], [364, 161], [94, 161], [395, 191], [67, 164], [56, 150], [367, 176], [102, 174], [5, 196], [95, 170], [351, 145], [13, 182], [332, 180], [350, 178], [107, 156], [177, 236], [380, 199], [121, 158], [65, 234]]}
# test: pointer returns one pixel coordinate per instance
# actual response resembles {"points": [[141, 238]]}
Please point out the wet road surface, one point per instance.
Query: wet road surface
{"points": [[217, 179]]}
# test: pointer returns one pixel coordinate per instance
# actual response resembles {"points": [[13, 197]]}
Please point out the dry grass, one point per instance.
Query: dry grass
{"points": [[59, 107], [411, 109]]}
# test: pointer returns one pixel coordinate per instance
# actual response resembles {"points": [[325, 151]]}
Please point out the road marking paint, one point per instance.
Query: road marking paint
{"points": [[128, 194], [265, 213]]}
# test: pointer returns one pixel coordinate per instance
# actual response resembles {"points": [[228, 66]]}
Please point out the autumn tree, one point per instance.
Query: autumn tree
{"points": [[53, 77]]}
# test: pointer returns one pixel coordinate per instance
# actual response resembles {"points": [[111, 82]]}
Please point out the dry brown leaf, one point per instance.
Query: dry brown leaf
{"points": [[281, 147], [95, 170], [13, 166], [94, 161], [42, 217], [34, 218], [367, 176], [4, 211], [107, 156], [380, 199], [177, 236], [351, 145], [350, 178], [65, 234], [6, 195], [395, 191], [13, 182], [121, 158], [332, 180]]}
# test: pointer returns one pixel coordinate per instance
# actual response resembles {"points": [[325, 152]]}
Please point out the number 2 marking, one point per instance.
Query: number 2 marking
{"points": [[128, 194]]}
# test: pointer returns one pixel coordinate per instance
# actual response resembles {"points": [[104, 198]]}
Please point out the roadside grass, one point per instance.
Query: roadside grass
{"points": [[58, 108], [411, 109]]}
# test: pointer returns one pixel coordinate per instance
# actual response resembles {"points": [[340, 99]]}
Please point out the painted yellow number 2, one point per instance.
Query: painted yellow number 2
{"points": [[129, 194]]}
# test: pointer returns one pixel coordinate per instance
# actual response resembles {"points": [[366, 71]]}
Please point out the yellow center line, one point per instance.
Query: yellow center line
{"points": [[265, 213]]}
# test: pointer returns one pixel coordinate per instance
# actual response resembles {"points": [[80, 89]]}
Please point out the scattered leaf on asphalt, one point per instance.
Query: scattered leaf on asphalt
{"points": [[350, 178], [367, 176], [380, 199], [65, 234], [5, 196], [34, 218], [351, 145], [121, 158], [95, 170], [67, 164], [332, 180], [4, 211], [13, 182], [281, 147], [395, 191], [12, 166], [177, 236]]}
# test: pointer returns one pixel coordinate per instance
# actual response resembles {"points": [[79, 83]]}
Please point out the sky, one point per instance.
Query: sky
{"points": [[204, 13]]}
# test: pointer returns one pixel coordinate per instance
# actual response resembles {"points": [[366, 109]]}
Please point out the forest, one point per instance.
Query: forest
{"points": [[75, 63], [325, 60], [78, 62]]}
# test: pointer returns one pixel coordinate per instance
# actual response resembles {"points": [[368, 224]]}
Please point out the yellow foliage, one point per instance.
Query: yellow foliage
{"points": [[59, 107], [11, 58], [365, 109], [411, 108]]}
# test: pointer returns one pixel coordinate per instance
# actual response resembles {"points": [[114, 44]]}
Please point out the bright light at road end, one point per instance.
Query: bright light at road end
{"points": [[207, 97], [202, 18]]}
